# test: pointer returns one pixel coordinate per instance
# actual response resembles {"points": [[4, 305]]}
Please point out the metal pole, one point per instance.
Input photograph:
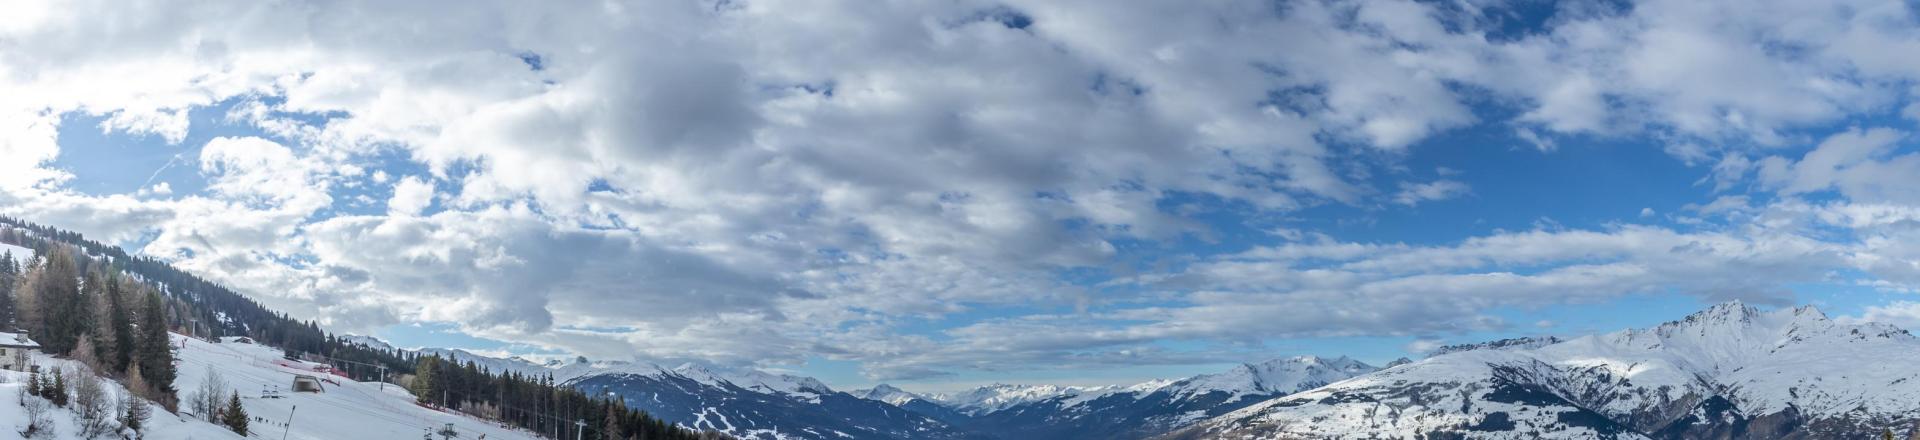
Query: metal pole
{"points": [[289, 427], [580, 429]]}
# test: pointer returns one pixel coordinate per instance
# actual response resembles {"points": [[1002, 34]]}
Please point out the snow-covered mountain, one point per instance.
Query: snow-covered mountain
{"points": [[757, 405], [367, 341], [1731, 371], [990, 398], [889, 394], [1141, 410], [746, 403]]}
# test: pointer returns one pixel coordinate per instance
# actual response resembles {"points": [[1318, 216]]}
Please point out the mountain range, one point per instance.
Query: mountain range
{"points": [[1731, 371]]}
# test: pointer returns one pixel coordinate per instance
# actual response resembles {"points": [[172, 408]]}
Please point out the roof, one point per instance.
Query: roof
{"points": [[16, 340]]}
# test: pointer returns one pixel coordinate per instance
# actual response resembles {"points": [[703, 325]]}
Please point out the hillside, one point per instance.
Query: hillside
{"points": [[345, 410], [161, 425], [1731, 371]]}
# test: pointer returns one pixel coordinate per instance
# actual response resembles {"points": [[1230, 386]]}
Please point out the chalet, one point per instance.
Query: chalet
{"points": [[14, 351]]}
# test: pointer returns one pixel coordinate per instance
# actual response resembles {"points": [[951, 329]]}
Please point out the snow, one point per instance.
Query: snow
{"points": [[20, 255], [347, 410], [1275, 376], [161, 425], [1283, 375], [17, 340], [369, 341], [888, 393], [996, 397], [1764, 362], [491, 364]]}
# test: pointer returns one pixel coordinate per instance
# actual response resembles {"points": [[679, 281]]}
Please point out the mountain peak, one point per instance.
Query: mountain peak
{"points": [[1281, 375]]}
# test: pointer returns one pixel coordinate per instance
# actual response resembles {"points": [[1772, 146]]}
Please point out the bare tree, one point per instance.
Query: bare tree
{"points": [[206, 400], [92, 406], [39, 423], [134, 413]]}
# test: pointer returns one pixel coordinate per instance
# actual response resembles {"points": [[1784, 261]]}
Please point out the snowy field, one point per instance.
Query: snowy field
{"points": [[162, 425], [20, 254], [346, 410]]}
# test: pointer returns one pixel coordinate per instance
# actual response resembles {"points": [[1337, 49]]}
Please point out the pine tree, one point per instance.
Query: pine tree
{"points": [[120, 323], [98, 291], [156, 348], [33, 384], [426, 380], [58, 394], [9, 275], [234, 416]]}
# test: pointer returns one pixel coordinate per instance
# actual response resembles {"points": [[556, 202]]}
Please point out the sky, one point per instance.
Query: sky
{"points": [[943, 194]]}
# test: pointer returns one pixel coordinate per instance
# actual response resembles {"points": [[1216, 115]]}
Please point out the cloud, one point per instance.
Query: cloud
{"points": [[1904, 314], [1414, 193], [793, 179], [411, 196]]}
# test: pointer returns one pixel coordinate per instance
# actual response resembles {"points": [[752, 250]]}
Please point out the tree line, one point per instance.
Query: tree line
{"points": [[92, 313], [124, 306], [534, 402]]}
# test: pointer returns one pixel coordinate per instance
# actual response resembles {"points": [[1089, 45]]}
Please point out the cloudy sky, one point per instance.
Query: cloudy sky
{"points": [[950, 192]]}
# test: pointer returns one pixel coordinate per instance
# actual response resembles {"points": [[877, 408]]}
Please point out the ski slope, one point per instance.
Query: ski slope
{"points": [[346, 410], [161, 425]]}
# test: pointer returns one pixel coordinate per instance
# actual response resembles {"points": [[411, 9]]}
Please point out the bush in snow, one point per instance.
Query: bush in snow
{"points": [[36, 408], [93, 408]]}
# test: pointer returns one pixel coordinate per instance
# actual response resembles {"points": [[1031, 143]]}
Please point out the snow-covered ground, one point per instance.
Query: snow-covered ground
{"points": [[346, 410], [20, 255], [162, 425], [1791, 372]]}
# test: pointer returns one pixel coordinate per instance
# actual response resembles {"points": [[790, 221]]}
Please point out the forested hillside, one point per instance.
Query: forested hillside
{"points": [[95, 303]]}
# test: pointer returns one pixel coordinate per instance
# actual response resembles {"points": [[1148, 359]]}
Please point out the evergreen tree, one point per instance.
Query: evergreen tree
{"points": [[33, 384], [9, 275], [97, 289], [426, 380], [234, 416], [120, 326], [156, 348], [58, 313], [58, 394]]}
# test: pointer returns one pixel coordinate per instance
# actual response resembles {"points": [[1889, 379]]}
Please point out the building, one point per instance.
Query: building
{"points": [[306, 384], [14, 351]]}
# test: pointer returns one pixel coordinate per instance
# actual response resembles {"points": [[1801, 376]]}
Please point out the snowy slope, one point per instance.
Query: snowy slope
{"points": [[368, 341], [1141, 410], [757, 405], [20, 255], [347, 410], [491, 364], [889, 394], [746, 403], [1000, 396], [1276, 376], [1731, 370], [161, 425]]}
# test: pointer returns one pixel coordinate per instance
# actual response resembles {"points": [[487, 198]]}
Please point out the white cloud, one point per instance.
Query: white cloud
{"points": [[800, 177], [1903, 314], [411, 196], [1415, 193], [1423, 345]]}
